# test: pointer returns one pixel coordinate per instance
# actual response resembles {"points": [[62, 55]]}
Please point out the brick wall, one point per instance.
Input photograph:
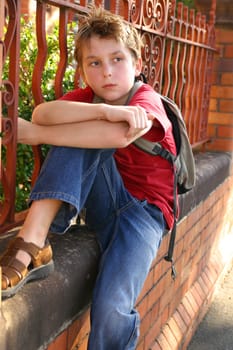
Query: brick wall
{"points": [[171, 310], [221, 104]]}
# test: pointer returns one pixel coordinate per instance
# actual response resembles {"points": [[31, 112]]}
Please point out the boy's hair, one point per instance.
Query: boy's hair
{"points": [[105, 24]]}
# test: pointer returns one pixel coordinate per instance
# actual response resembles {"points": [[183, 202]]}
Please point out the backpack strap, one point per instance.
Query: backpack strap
{"points": [[169, 256], [156, 149]]}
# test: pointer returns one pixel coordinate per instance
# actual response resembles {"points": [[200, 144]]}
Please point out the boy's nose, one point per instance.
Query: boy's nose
{"points": [[107, 71], [108, 74]]}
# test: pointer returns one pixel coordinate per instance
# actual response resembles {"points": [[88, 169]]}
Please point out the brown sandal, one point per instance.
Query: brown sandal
{"points": [[15, 274]]}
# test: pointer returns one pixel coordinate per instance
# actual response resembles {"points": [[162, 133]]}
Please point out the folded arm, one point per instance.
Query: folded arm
{"points": [[69, 112], [75, 124], [88, 134]]}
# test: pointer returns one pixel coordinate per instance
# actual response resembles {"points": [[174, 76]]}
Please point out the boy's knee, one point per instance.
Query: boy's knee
{"points": [[111, 318]]}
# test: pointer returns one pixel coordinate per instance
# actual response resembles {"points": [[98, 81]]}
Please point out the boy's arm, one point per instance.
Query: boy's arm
{"points": [[67, 112], [61, 112], [89, 134]]}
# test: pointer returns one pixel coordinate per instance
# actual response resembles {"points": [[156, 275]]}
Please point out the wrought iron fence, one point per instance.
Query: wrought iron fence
{"points": [[177, 61]]}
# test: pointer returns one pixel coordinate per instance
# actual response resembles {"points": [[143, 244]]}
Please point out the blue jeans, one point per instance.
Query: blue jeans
{"points": [[129, 233]]}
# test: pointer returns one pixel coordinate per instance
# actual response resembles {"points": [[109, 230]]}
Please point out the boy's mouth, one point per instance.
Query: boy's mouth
{"points": [[109, 86]]}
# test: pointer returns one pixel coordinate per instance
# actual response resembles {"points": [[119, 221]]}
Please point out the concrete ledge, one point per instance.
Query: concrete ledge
{"points": [[212, 168], [43, 309]]}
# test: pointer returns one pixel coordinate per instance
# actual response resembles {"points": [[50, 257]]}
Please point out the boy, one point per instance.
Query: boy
{"points": [[127, 194]]}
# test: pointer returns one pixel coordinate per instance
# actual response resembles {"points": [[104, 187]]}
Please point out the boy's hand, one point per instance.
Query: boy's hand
{"points": [[135, 116]]}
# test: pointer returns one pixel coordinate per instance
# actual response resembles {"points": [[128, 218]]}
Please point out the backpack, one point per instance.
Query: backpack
{"points": [[183, 163]]}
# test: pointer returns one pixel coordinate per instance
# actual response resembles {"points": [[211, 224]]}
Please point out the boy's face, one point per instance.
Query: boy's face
{"points": [[109, 69]]}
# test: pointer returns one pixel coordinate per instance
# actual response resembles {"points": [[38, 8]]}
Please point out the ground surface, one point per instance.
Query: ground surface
{"points": [[216, 330]]}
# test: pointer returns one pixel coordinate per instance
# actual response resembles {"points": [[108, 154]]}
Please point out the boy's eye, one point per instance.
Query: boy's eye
{"points": [[94, 63], [117, 59]]}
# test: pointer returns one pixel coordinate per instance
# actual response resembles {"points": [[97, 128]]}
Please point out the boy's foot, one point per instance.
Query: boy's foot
{"points": [[15, 274]]}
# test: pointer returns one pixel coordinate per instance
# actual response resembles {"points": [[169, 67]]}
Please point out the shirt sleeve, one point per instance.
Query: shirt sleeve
{"points": [[79, 95], [150, 100]]}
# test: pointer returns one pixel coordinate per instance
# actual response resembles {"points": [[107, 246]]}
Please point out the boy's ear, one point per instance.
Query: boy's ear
{"points": [[138, 66]]}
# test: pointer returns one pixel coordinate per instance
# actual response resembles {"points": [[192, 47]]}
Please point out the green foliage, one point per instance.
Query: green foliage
{"points": [[189, 3], [28, 54]]}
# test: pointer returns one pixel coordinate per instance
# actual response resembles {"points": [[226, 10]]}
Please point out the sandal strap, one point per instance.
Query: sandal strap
{"points": [[14, 272], [16, 265], [39, 256], [15, 268], [30, 248]]}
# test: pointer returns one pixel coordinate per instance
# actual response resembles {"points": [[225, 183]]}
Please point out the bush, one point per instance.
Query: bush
{"points": [[28, 54]]}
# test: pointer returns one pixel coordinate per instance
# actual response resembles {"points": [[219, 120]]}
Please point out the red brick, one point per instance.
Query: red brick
{"points": [[147, 286], [155, 312], [170, 292], [171, 339], [200, 289], [163, 342], [160, 288], [226, 105], [221, 91], [73, 331], [197, 241], [184, 314], [227, 79], [213, 104], [228, 52], [152, 333], [154, 296], [142, 307], [185, 278], [196, 295], [224, 145], [82, 345], [225, 131], [141, 345], [215, 75], [211, 273], [182, 227], [175, 329], [146, 324], [164, 315], [192, 302], [180, 321], [60, 342], [175, 301], [163, 248], [82, 334], [178, 248], [158, 270], [155, 346], [203, 285], [223, 35], [224, 65], [188, 308]]}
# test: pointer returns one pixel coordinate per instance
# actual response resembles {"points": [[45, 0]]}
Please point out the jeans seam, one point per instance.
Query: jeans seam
{"points": [[93, 166], [60, 195], [134, 332]]}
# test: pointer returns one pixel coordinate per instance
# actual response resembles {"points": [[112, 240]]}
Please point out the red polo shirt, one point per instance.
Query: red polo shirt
{"points": [[145, 176]]}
